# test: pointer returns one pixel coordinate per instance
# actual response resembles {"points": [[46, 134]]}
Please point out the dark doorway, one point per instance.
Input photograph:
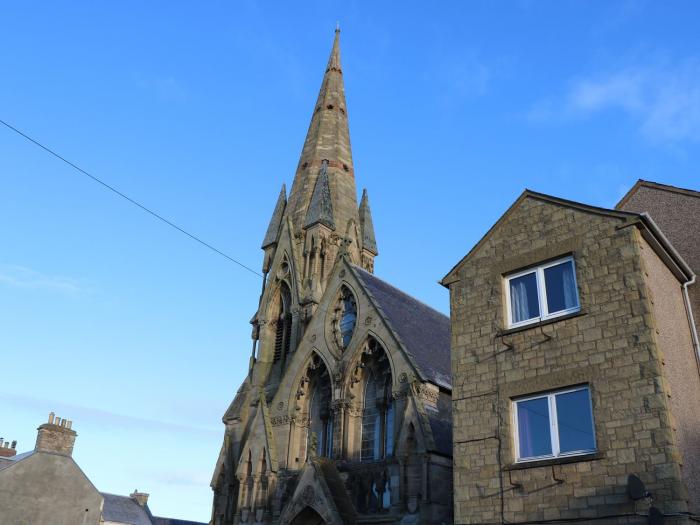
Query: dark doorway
{"points": [[308, 516]]}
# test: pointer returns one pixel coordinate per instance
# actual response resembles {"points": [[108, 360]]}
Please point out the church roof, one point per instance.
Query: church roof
{"points": [[423, 332]]}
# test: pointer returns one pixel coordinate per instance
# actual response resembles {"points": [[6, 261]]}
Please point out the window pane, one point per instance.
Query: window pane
{"points": [[524, 303], [561, 287], [389, 445], [575, 421], [533, 428]]}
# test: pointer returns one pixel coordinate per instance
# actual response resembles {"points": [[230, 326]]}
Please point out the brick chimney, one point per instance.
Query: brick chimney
{"points": [[140, 497], [56, 436], [7, 449]]}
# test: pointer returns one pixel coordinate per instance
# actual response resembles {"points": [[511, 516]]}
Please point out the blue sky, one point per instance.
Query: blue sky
{"points": [[199, 110]]}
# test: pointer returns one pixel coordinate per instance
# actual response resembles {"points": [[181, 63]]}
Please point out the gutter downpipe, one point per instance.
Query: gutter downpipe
{"points": [[684, 286]]}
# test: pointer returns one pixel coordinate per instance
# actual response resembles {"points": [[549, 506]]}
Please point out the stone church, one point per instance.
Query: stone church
{"points": [[345, 415]]}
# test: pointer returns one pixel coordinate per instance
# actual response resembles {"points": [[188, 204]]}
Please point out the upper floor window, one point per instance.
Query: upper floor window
{"points": [[554, 424], [539, 293]]}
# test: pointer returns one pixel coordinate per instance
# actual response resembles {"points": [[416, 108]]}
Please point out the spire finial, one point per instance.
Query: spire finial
{"points": [[337, 26]]}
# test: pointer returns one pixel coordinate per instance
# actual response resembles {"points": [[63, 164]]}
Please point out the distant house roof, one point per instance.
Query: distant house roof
{"points": [[172, 521], [9, 461], [124, 509], [423, 332], [674, 210]]}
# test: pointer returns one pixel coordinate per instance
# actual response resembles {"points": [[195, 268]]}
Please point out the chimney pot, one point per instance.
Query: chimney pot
{"points": [[140, 497], [14, 444], [55, 436]]}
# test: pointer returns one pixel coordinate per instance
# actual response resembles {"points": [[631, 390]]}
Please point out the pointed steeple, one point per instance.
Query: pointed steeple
{"points": [[328, 138], [273, 228], [321, 208], [369, 242]]}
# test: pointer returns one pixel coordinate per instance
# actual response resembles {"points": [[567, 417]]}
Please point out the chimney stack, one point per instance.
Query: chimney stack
{"points": [[56, 436], [140, 497], [7, 450]]}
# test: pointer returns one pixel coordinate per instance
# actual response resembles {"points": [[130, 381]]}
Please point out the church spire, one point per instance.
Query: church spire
{"points": [[369, 243], [327, 139]]}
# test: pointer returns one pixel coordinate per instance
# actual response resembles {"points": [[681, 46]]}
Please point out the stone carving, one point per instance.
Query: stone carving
{"points": [[308, 495]]}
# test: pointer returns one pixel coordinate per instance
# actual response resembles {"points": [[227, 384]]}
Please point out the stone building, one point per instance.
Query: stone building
{"points": [[46, 486], [574, 367], [344, 416]]}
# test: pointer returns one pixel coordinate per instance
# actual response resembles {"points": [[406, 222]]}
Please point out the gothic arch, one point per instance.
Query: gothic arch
{"points": [[312, 412], [371, 426], [344, 298]]}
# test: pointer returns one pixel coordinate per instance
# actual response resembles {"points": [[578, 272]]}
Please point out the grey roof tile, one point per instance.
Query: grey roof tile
{"points": [[124, 509]]}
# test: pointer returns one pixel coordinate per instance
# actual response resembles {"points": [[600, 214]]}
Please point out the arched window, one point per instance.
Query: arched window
{"points": [[283, 330], [346, 317], [378, 408], [320, 436]]}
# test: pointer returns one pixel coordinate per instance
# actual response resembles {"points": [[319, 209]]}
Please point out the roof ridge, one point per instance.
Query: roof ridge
{"points": [[400, 291], [669, 187]]}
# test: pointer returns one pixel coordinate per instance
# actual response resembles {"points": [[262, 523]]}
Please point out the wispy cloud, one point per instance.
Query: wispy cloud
{"points": [[23, 277], [664, 101], [183, 477], [105, 418]]}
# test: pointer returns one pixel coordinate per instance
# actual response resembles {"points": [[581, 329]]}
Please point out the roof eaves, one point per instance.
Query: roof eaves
{"points": [[669, 254]]}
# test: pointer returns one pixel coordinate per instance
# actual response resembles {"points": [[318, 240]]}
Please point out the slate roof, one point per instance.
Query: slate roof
{"points": [[124, 509], [423, 331], [8, 461]]}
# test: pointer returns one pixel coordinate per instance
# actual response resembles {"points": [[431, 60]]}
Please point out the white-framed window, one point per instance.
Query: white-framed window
{"points": [[554, 424], [541, 292]]}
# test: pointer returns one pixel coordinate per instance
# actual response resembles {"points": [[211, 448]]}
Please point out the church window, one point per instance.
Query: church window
{"points": [[283, 329], [346, 316], [377, 411], [320, 437]]}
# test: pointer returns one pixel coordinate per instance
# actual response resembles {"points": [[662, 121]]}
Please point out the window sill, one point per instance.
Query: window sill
{"points": [[593, 456], [551, 320]]}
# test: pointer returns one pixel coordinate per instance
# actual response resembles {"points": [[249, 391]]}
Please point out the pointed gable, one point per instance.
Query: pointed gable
{"points": [[273, 229], [321, 208], [422, 331]]}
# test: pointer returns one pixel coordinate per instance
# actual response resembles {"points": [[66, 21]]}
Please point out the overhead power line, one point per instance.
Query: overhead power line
{"points": [[129, 199]]}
